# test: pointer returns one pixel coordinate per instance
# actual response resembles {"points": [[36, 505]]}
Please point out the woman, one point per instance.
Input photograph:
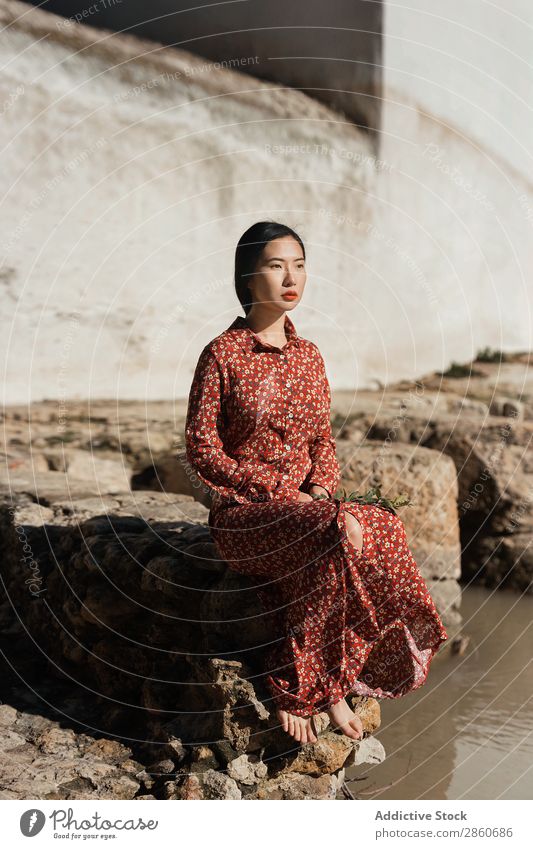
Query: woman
{"points": [[354, 612]]}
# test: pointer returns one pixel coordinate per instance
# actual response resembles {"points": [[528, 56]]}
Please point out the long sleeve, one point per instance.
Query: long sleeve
{"points": [[325, 470], [243, 482]]}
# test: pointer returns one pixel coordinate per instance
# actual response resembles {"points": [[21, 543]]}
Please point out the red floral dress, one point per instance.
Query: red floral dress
{"points": [[258, 430]]}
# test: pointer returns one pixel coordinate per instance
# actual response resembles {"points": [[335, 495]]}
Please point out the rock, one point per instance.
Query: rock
{"points": [[55, 740], [460, 645], [203, 759], [163, 767], [429, 478], [367, 751], [333, 750], [109, 474], [502, 562], [216, 785], [8, 715], [42, 760], [114, 576], [190, 789], [509, 407], [468, 407], [294, 786], [109, 750], [174, 474], [495, 476], [247, 771], [321, 722], [220, 704], [146, 780], [324, 757], [175, 750], [224, 751], [447, 596], [368, 710]]}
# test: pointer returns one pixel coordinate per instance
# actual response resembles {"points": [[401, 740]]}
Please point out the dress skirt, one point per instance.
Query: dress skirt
{"points": [[360, 622]]}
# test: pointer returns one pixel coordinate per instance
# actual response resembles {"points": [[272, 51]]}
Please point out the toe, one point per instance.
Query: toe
{"points": [[356, 728]]}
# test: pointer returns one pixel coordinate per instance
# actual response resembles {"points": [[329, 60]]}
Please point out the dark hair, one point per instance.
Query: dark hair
{"points": [[248, 252]]}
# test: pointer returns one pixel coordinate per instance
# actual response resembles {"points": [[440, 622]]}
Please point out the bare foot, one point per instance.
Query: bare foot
{"points": [[343, 717], [298, 727]]}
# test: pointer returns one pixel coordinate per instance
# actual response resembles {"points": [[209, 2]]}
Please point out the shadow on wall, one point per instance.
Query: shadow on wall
{"points": [[332, 51]]}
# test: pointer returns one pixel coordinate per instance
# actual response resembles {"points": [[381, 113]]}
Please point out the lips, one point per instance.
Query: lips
{"points": [[290, 296]]}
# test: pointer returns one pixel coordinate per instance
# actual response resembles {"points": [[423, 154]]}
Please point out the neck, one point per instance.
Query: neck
{"points": [[270, 329], [266, 323]]}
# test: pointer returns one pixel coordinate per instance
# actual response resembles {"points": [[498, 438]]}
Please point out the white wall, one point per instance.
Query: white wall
{"points": [[458, 130], [121, 207]]}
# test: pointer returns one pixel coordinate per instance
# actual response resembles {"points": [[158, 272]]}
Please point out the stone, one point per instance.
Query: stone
{"points": [[55, 740], [42, 760], [216, 785], [369, 750], [495, 505], [294, 786], [190, 789], [429, 478], [175, 750], [509, 407], [247, 771], [161, 767], [203, 759], [324, 757], [368, 710]]}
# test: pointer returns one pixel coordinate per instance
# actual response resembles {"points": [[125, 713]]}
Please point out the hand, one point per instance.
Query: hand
{"points": [[316, 489], [304, 496]]}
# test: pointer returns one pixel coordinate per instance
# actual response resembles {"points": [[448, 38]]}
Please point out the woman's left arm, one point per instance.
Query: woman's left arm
{"points": [[325, 471]]}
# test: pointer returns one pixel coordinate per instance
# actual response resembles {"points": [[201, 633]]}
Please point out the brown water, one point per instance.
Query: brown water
{"points": [[468, 732]]}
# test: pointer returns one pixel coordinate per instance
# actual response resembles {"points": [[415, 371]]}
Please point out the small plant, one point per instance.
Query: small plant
{"points": [[460, 370], [372, 496], [488, 355]]}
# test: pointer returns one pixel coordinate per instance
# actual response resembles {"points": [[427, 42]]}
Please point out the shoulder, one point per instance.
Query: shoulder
{"points": [[309, 345], [311, 349], [221, 349]]}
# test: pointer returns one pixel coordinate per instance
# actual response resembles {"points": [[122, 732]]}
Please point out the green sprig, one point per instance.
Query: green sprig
{"points": [[372, 496]]}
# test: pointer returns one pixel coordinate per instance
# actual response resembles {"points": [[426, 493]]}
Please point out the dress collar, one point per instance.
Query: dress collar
{"points": [[250, 341]]}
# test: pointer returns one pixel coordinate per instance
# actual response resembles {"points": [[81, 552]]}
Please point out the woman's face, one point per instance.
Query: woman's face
{"points": [[280, 276]]}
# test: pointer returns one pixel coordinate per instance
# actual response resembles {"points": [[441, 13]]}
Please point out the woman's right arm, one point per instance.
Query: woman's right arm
{"points": [[246, 481]]}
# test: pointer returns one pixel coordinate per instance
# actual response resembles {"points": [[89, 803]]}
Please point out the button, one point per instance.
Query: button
{"points": [[290, 415]]}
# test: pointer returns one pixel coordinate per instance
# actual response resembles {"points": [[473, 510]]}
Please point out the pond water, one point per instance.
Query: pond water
{"points": [[468, 732]]}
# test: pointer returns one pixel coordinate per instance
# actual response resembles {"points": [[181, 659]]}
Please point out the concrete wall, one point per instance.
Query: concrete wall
{"points": [[129, 171], [457, 130], [332, 50]]}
